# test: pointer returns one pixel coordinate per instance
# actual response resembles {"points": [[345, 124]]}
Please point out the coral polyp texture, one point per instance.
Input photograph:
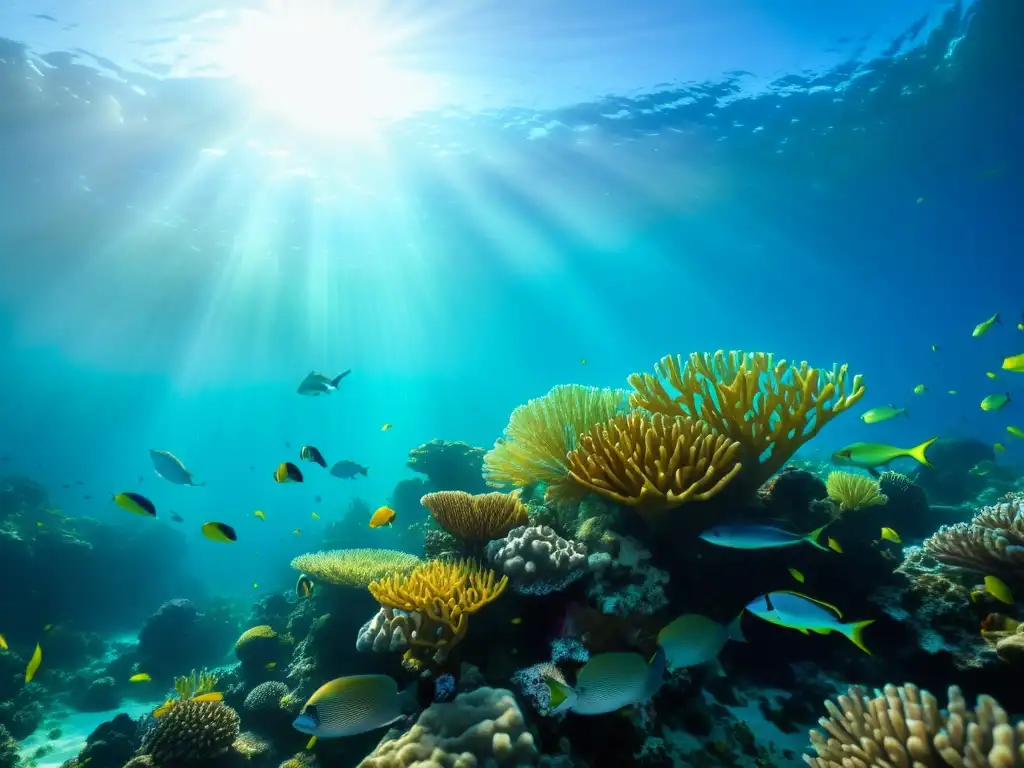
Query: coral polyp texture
{"points": [[991, 543], [476, 518], [537, 560], [654, 463], [541, 433], [354, 567], [904, 726], [850, 491], [770, 407], [445, 593], [389, 630], [192, 732]]}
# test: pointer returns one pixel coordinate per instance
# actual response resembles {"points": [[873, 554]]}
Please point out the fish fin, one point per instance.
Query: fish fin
{"points": [[813, 600], [812, 537], [337, 379], [917, 452], [804, 631], [855, 632], [735, 631], [820, 631]]}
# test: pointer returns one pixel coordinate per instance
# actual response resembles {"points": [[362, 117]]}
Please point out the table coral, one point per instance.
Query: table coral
{"points": [[354, 567]]}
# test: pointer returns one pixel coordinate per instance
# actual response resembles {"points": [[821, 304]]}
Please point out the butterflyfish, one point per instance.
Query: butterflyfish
{"points": [[135, 503], [383, 516], [311, 453], [990, 374], [890, 535], [287, 472], [920, 389], [834, 545], [998, 589], [221, 532]]}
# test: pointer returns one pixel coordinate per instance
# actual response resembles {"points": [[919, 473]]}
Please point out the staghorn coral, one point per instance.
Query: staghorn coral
{"points": [[445, 593], [851, 491], [476, 518], [653, 463], [770, 407], [992, 543], [483, 727], [537, 560], [541, 434], [389, 630], [904, 726], [192, 731], [354, 567], [266, 697]]}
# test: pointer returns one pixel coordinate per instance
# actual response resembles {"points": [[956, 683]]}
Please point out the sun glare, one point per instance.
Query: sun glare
{"points": [[333, 72]]}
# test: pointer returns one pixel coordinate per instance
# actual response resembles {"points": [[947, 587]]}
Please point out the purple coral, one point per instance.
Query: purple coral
{"points": [[992, 543]]}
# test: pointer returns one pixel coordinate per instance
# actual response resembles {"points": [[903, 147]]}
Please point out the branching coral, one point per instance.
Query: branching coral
{"points": [[445, 593], [541, 433], [354, 567], [905, 727], [654, 463], [476, 518], [852, 491], [770, 407], [992, 543]]}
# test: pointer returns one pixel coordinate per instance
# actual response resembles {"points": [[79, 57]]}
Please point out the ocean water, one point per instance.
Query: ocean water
{"points": [[467, 204]]}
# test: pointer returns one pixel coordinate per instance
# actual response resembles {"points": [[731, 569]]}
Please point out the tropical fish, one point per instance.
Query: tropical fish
{"points": [[297, 531], [998, 589], [221, 532], [48, 628], [260, 514], [311, 453], [995, 402], [990, 374], [1015, 431], [255, 585], [209, 697], [1014, 363], [304, 586], [755, 536], [318, 384], [882, 413], [796, 575], [693, 639], [287, 472], [170, 468], [315, 515], [984, 327], [998, 447], [140, 677], [920, 389], [176, 517], [311, 743], [386, 427], [348, 469], [270, 665], [890, 535], [935, 347], [805, 614], [873, 455], [33, 664], [383, 516], [952, 392], [834, 545], [609, 682], [135, 503], [164, 708], [3, 643], [352, 705]]}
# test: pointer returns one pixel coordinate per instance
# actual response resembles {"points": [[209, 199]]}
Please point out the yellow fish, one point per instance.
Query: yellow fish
{"points": [[311, 743], [260, 514], [297, 531], [796, 575], [209, 697], [990, 374], [33, 664], [890, 535], [1016, 431], [270, 665], [995, 587], [383, 516], [995, 402], [920, 389], [1014, 363], [998, 447], [386, 427], [3, 643], [834, 545], [316, 516], [984, 327], [141, 677], [221, 532], [163, 709], [135, 503]]}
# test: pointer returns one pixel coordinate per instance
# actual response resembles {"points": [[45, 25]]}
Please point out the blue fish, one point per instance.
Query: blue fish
{"points": [[805, 614], [760, 537]]}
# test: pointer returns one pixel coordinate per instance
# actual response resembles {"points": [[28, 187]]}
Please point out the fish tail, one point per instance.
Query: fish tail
{"points": [[812, 537], [735, 631], [337, 379], [917, 452], [906, 413], [855, 632]]}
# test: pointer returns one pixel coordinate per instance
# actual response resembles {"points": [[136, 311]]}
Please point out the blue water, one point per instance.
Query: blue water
{"points": [[830, 182]]}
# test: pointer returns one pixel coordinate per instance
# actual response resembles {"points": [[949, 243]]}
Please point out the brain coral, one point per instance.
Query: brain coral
{"points": [[193, 731], [483, 727], [354, 567]]}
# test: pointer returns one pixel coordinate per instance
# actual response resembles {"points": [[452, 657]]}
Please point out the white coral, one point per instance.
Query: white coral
{"points": [[537, 560], [389, 630]]}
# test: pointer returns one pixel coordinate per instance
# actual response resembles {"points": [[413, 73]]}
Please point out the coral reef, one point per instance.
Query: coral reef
{"points": [[111, 744], [389, 630], [450, 466], [178, 636], [476, 518], [191, 732], [266, 697], [851, 491], [8, 749], [631, 585], [354, 567], [992, 543], [536, 560]]}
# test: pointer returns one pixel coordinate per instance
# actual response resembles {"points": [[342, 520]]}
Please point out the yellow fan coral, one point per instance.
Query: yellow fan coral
{"points": [[654, 463], [476, 518], [354, 567], [445, 593], [852, 491], [770, 407], [541, 433]]}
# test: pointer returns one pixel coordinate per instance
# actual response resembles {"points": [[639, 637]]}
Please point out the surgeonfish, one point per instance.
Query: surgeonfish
{"points": [[348, 469], [170, 468], [1014, 363], [140, 677], [882, 413], [984, 327], [870, 456], [755, 536], [33, 664], [287, 472], [318, 384], [609, 682], [135, 503], [805, 614], [383, 516], [693, 639], [221, 532], [304, 586], [352, 705], [311, 453], [890, 535], [998, 589], [920, 389], [995, 402]]}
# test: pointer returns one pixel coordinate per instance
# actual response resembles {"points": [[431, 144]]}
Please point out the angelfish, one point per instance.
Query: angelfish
{"points": [[608, 682], [352, 705], [170, 468]]}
